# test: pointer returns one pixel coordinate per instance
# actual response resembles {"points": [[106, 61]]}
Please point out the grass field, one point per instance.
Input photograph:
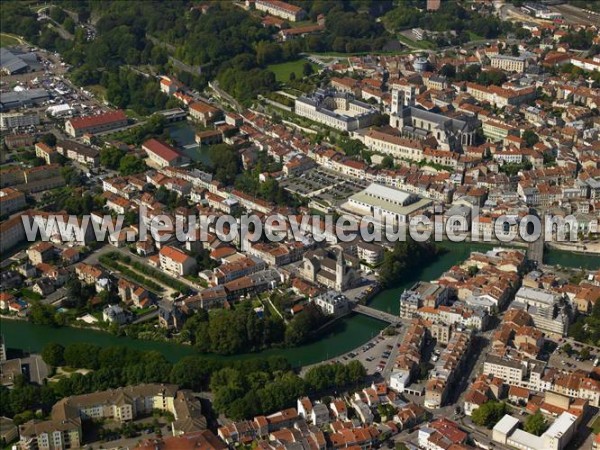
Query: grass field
{"points": [[596, 425], [425, 45], [7, 40], [97, 91], [475, 37], [282, 71]]}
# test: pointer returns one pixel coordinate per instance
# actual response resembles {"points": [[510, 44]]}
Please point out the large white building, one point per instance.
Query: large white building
{"points": [[511, 371], [549, 313], [335, 109], [332, 302], [539, 298], [281, 9], [399, 380], [386, 204], [509, 63], [64, 428], [556, 437]]}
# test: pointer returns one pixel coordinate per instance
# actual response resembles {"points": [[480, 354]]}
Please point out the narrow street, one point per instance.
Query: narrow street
{"points": [[94, 259]]}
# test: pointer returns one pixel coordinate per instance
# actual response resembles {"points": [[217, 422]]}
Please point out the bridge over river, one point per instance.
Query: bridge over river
{"points": [[376, 314], [535, 250]]}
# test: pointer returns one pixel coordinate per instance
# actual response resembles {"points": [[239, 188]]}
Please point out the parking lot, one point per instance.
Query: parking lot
{"points": [[560, 358], [375, 354], [323, 186], [48, 73], [340, 194]]}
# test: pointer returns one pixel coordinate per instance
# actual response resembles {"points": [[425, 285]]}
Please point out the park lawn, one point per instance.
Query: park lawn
{"points": [[133, 115], [282, 71], [596, 425], [7, 41], [29, 294], [142, 311], [97, 91], [475, 37], [425, 45]]}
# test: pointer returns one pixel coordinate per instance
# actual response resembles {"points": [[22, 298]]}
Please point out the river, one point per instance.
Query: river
{"points": [[184, 134], [343, 336]]}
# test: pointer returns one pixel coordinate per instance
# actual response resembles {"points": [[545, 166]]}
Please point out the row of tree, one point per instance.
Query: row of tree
{"points": [[490, 413], [451, 16], [241, 388], [231, 331], [405, 261], [242, 393], [242, 330]]}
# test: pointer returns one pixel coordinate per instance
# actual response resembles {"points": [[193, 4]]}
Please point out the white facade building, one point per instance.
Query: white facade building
{"points": [[335, 109]]}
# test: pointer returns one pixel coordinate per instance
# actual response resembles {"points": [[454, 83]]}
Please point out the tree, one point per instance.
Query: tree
{"points": [[53, 354], [131, 164], [530, 138], [535, 424], [448, 70], [72, 176], [301, 326], [580, 40], [585, 353], [351, 147], [307, 69], [110, 157], [267, 52], [488, 414], [48, 139], [69, 25], [292, 76], [226, 162], [41, 314], [58, 14], [405, 261], [492, 76], [387, 162], [356, 371]]}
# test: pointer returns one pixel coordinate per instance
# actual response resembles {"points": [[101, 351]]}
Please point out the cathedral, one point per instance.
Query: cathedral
{"points": [[453, 132]]}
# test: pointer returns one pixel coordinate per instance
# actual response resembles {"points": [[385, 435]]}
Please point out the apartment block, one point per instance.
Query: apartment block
{"points": [[511, 371], [281, 9], [176, 261], [509, 63], [11, 200], [63, 429]]}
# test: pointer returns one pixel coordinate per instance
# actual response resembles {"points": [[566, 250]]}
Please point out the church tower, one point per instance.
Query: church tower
{"points": [[397, 101]]}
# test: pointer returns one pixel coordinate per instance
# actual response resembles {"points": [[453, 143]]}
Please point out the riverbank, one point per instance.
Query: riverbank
{"points": [[341, 337], [592, 248]]}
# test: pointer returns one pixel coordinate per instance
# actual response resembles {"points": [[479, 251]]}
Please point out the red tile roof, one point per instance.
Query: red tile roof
{"points": [[101, 119], [202, 107], [164, 151], [174, 254]]}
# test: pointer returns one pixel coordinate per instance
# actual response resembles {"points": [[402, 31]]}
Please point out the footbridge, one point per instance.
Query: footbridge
{"points": [[376, 314]]}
